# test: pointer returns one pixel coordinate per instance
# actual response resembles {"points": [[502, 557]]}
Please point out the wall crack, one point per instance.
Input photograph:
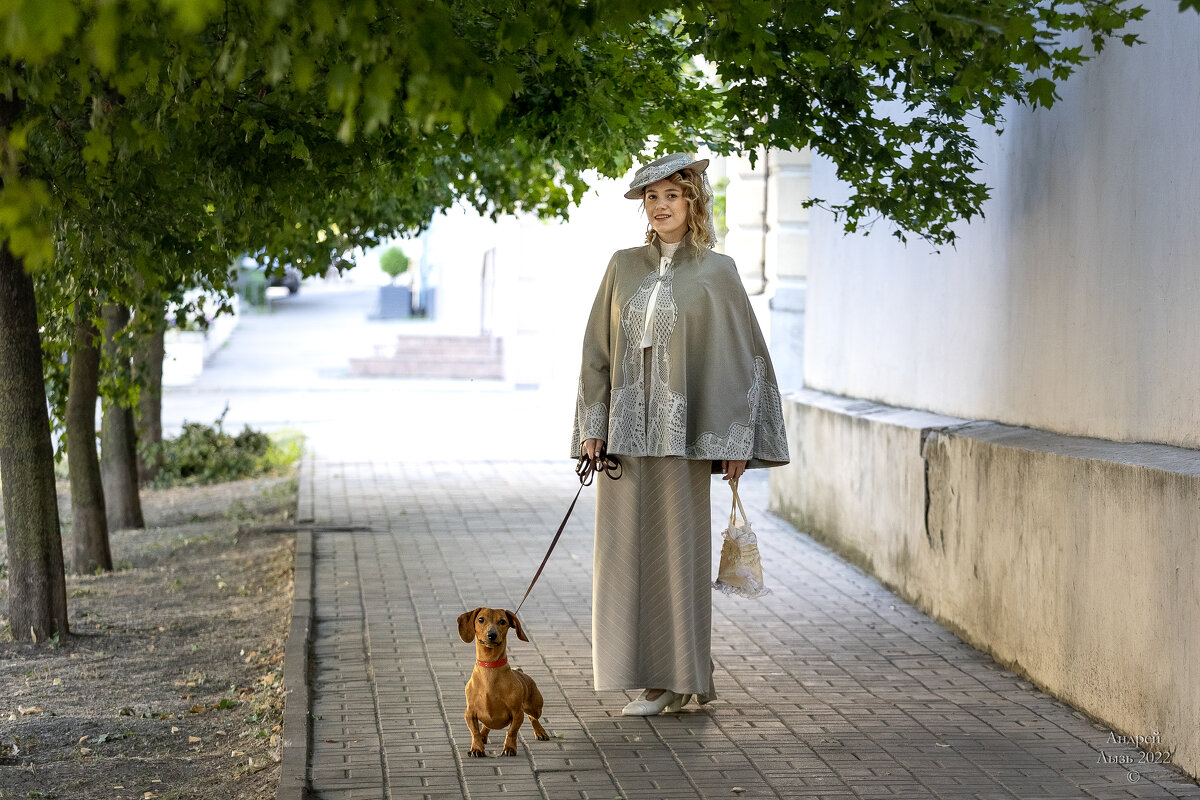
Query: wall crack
{"points": [[928, 440], [927, 434]]}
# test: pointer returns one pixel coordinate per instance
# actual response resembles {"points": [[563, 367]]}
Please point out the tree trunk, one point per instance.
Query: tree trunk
{"points": [[89, 526], [118, 439], [148, 369], [37, 595]]}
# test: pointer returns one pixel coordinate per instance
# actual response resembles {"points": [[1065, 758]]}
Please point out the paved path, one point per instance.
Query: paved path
{"points": [[830, 688]]}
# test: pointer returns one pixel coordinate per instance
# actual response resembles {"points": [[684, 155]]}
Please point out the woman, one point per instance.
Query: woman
{"points": [[676, 382]]}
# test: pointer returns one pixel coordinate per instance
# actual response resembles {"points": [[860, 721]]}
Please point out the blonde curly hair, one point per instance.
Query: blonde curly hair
{"points": [[699, 204]]}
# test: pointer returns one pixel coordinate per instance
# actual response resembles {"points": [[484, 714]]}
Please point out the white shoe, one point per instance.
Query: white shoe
{"points": [[680, 702], [667, 701]]}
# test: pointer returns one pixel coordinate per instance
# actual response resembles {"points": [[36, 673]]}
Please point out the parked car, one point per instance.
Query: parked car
{"points": [[290, 278], [274, 274]]}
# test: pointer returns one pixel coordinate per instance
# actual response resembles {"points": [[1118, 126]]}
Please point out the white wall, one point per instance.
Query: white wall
{"points": [[1075, 306], [773, 246]]}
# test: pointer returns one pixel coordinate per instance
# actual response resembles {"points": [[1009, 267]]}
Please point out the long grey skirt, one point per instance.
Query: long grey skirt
{"points": [[652, 584]]}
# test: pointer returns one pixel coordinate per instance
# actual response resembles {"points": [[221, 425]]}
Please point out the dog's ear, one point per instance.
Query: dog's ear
{"points": [[466, 625], [516, 623]]}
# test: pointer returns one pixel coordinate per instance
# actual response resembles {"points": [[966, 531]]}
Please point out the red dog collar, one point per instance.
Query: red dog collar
{"points": [[499, 663]]}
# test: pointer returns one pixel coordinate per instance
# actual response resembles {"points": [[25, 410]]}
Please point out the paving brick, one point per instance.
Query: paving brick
{"points": [[831, 687]]}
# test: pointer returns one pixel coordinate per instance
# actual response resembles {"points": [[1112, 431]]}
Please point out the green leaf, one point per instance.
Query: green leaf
{"points": [[192, 15], [303, 71], [103, 35], [98, 148], [1041, 92]]}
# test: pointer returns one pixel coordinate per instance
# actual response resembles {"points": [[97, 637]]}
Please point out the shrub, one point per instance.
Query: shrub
{"points": [[204, 454], [393, 262]]}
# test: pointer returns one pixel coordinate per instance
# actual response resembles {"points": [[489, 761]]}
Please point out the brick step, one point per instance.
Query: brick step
{"points": [[426, 368], [439, 352], [445, 338], [450, 346], [436, 357]]}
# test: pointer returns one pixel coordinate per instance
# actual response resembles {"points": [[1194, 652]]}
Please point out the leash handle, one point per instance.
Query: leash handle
{"points": [[586, 469]]}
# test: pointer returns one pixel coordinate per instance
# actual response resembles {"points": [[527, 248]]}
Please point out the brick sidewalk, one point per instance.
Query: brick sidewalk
{"points": [[830, 688]]}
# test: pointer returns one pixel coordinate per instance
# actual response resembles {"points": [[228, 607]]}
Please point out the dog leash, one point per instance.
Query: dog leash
{"points": [[586, 469]]}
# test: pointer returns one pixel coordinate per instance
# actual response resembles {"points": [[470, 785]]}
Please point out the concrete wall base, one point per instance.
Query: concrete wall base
{"points": [[1072, 561]]}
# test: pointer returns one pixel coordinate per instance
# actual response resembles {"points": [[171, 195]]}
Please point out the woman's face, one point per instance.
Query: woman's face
{"points": [[666, 209]]}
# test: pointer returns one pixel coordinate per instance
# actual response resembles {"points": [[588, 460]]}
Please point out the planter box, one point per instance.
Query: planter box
{"points": [[395, 302]]}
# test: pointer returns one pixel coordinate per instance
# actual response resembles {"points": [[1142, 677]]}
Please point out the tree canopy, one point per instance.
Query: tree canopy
{"points": [[194, 128]]}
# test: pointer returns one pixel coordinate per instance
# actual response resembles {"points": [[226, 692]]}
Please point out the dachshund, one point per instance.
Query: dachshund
{"points": [[497, 695]]}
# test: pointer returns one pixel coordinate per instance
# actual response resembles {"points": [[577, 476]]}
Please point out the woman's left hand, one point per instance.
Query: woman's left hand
{"points": [[733, 470]]}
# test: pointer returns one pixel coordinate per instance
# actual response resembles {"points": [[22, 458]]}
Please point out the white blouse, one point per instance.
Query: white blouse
{"points": [[668, 255]]}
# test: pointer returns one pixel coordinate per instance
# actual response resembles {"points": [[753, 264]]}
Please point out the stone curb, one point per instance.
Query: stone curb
{"points": [[297, 730], [293, 773]]}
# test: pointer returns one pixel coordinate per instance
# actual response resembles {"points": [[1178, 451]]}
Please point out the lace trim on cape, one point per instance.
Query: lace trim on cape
{"points": [[668, 409], [591, 422], [763, 437]]}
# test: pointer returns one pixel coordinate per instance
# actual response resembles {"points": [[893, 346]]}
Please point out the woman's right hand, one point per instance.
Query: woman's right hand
{"points": [[592, 448]]}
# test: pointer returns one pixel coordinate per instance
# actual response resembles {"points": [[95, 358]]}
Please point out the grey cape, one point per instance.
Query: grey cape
{"points": [[712, 393]]}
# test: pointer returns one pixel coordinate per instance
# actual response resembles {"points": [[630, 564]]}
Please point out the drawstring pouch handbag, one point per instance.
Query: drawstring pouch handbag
{"points": [[740, 571]]}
